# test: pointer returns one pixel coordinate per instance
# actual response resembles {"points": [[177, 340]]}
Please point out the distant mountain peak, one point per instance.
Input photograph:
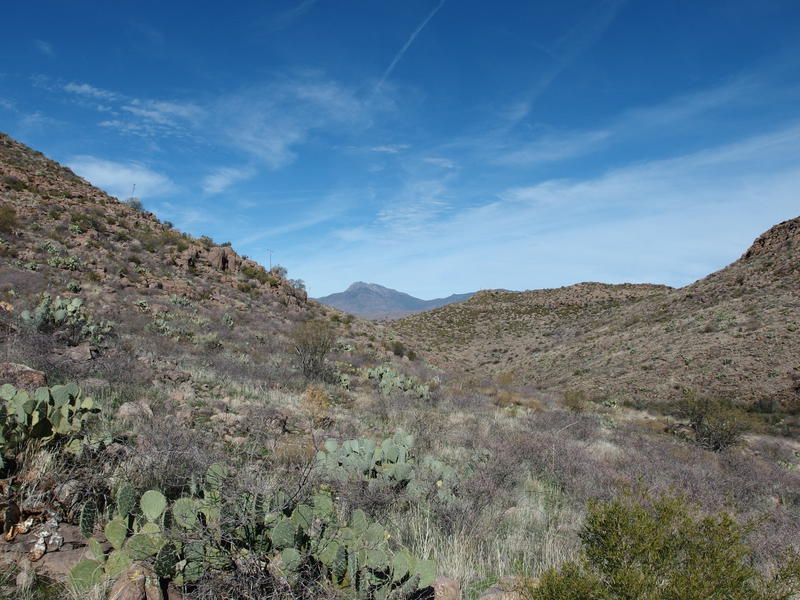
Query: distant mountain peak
{"points": [[374, 301]]}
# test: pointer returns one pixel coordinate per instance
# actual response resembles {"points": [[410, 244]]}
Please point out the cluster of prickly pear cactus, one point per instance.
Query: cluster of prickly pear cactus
{"points": [[365, 460], [134, 532], [42, 415], [390, 382], [207, 531], [390, 463], [66, 314]]}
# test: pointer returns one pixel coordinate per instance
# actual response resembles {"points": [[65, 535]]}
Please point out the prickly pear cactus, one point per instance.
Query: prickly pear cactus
{"points": [[88, 518]]}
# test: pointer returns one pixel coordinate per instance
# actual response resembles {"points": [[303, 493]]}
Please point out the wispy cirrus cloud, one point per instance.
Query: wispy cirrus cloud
{"points": [[389, 148], [269, 122], [84, 89], [45, 48], [118, 178], [649, 221], [221, 178], [444, 163], [549, 148]]}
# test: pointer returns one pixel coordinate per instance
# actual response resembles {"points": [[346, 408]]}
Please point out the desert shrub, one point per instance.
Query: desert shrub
{"points": [[311, 342], [8, 219], [298, 284], [643, 548], [14, 183], [316, 403], [397, 348], [134, 203], [717, 423], [575, 400], [258, 273], [280, 271], [80, 223]]}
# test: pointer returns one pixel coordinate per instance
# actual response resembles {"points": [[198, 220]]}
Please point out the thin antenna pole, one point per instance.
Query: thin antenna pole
{"points": [[133, 191], [270, 258]]}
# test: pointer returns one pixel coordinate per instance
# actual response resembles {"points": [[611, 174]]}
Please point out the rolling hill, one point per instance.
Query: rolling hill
{"points": [[734, 333]]}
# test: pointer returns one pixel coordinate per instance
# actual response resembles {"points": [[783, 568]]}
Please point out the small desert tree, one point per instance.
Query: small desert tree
{"points": [[311, 342]]}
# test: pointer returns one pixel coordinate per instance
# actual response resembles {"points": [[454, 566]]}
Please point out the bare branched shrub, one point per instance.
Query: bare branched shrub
{"points": [[167, 457], [716, 422], [311, 342]]}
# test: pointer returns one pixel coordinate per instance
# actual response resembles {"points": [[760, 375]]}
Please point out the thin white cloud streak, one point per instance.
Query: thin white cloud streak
{"points": [[285, 19], [398, 57], [389, 148], [322, 212], [444, 163], [587, 31], [553, 147], [667, 221], [678, 113], [118, 178]]}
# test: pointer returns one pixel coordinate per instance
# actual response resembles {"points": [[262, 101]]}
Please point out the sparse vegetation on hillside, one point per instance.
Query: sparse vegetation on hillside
{"points": [[244, 442]]}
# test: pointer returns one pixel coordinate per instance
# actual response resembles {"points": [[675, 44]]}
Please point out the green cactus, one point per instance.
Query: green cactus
{"points": [[85, 575], [116, 531], [283, 534], [117, 563], [68, 318], [144, 545], [153, 504], [126, 500], [184, 513], [88, 518], [166, 561]]}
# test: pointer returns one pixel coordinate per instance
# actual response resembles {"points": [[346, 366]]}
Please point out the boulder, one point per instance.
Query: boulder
{"points": [[139, 582], [445, 588], [223, 258], [21, 376], [510, 588], [134, 410]]}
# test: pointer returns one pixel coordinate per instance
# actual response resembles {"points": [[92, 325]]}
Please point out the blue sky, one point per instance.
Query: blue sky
{"points": [[433, 146]]}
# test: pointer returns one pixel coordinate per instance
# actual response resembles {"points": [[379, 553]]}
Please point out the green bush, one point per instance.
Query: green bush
{"points": [[642, 548]]}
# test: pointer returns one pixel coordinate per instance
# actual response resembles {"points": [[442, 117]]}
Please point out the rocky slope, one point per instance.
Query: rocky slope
{"points": [[733, 333], [373, 301], [175, 301]]}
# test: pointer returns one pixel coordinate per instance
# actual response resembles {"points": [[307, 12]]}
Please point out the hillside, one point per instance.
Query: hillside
{"points": [[175, 301], [373, 301], [733, 333], [230, 438]]}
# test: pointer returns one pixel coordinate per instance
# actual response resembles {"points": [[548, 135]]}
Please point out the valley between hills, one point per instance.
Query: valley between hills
{"points": [[177, 421]]}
